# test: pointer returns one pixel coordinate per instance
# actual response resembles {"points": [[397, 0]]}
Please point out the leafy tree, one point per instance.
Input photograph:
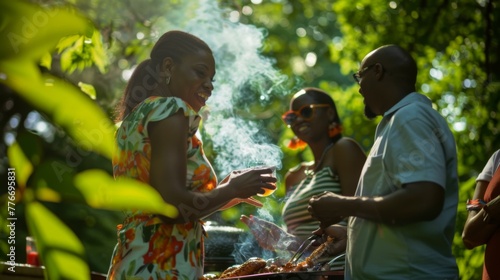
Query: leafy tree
{"points": [[41, 180]]}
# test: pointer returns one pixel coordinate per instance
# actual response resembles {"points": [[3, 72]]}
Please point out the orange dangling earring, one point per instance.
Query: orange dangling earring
{"points": [[296, 143], [334, 129]]}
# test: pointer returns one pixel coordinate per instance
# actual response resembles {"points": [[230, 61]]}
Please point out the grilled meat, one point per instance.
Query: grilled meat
{"points": [[251, 266]]}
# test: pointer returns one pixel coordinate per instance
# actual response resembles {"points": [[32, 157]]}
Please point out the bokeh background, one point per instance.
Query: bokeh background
{"points": [[64, 65]]}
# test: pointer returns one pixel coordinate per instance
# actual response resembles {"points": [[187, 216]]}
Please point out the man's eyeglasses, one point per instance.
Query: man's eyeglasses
{"points": [[357, 75], [306, 112]]}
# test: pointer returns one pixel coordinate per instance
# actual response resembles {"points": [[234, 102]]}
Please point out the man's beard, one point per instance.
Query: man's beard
{"points": [[369, 113]]}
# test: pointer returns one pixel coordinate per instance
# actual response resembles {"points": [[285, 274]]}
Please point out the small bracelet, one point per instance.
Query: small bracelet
{"points": [[475, 204]]}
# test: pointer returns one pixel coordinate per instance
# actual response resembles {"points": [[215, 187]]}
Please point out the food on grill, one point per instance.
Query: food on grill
{"points": [[209, 276], [258, 265], [226, 273], [251, 266], [313, 258]]}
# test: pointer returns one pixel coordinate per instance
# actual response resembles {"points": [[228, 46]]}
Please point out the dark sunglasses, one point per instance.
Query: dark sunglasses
{"points": [[306, 112]]}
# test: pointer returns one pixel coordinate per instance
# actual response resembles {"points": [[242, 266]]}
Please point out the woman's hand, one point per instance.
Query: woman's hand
{"points": [[249, 182], [268, 235]]}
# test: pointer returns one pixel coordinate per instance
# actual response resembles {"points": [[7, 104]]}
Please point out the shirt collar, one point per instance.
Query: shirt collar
{"points": [[408, 99]]}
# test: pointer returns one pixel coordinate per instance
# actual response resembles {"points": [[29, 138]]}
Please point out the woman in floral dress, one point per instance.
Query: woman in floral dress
{"points": [[157, 144]]}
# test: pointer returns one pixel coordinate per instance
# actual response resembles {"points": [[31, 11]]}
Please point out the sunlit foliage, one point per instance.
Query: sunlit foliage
{"points": [[32, 33]]}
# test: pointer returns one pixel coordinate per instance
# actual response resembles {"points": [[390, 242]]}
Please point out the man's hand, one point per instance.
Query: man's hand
{"points": [[326, 208], [339, 235]]}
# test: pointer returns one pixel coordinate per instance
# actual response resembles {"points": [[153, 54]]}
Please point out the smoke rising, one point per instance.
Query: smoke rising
{"points": [[245, 83], [245, 80]]}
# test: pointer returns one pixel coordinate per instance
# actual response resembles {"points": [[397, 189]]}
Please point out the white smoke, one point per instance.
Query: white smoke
{"points": [[245, 80]]}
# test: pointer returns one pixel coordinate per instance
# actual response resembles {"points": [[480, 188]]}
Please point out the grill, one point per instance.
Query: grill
{"points": [[219, 247], [315, 275]]}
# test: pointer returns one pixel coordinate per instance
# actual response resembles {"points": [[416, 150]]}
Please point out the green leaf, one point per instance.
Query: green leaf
{"points": [[61, 252], [20, 162], [98, 54], [88, 89], [67, 42], [83, 119], [80, 52], [102, 191], [46, 61], [68, 61], [31, 31]]}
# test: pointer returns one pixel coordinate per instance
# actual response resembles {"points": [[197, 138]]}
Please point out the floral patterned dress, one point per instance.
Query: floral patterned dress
{"points": [[147, 248]]}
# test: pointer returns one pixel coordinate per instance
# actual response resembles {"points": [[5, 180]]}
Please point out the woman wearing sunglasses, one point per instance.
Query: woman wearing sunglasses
{"points": [[336, 168]]}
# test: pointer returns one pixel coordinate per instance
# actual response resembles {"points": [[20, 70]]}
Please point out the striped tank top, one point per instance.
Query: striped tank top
{"points": [[295, 215]]}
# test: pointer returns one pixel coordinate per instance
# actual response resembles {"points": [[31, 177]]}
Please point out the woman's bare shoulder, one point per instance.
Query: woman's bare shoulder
{"points": [[347, 145], [296, 174]]}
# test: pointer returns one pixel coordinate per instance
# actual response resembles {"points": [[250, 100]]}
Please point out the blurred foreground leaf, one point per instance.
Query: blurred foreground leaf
{"points": [[32, 31], [61, 251], [83, 119], [20, 162], [54, 181], [102, 191]]}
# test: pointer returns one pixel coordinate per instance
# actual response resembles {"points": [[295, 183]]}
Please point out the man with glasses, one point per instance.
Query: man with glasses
{"points": [[402, 218]]}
